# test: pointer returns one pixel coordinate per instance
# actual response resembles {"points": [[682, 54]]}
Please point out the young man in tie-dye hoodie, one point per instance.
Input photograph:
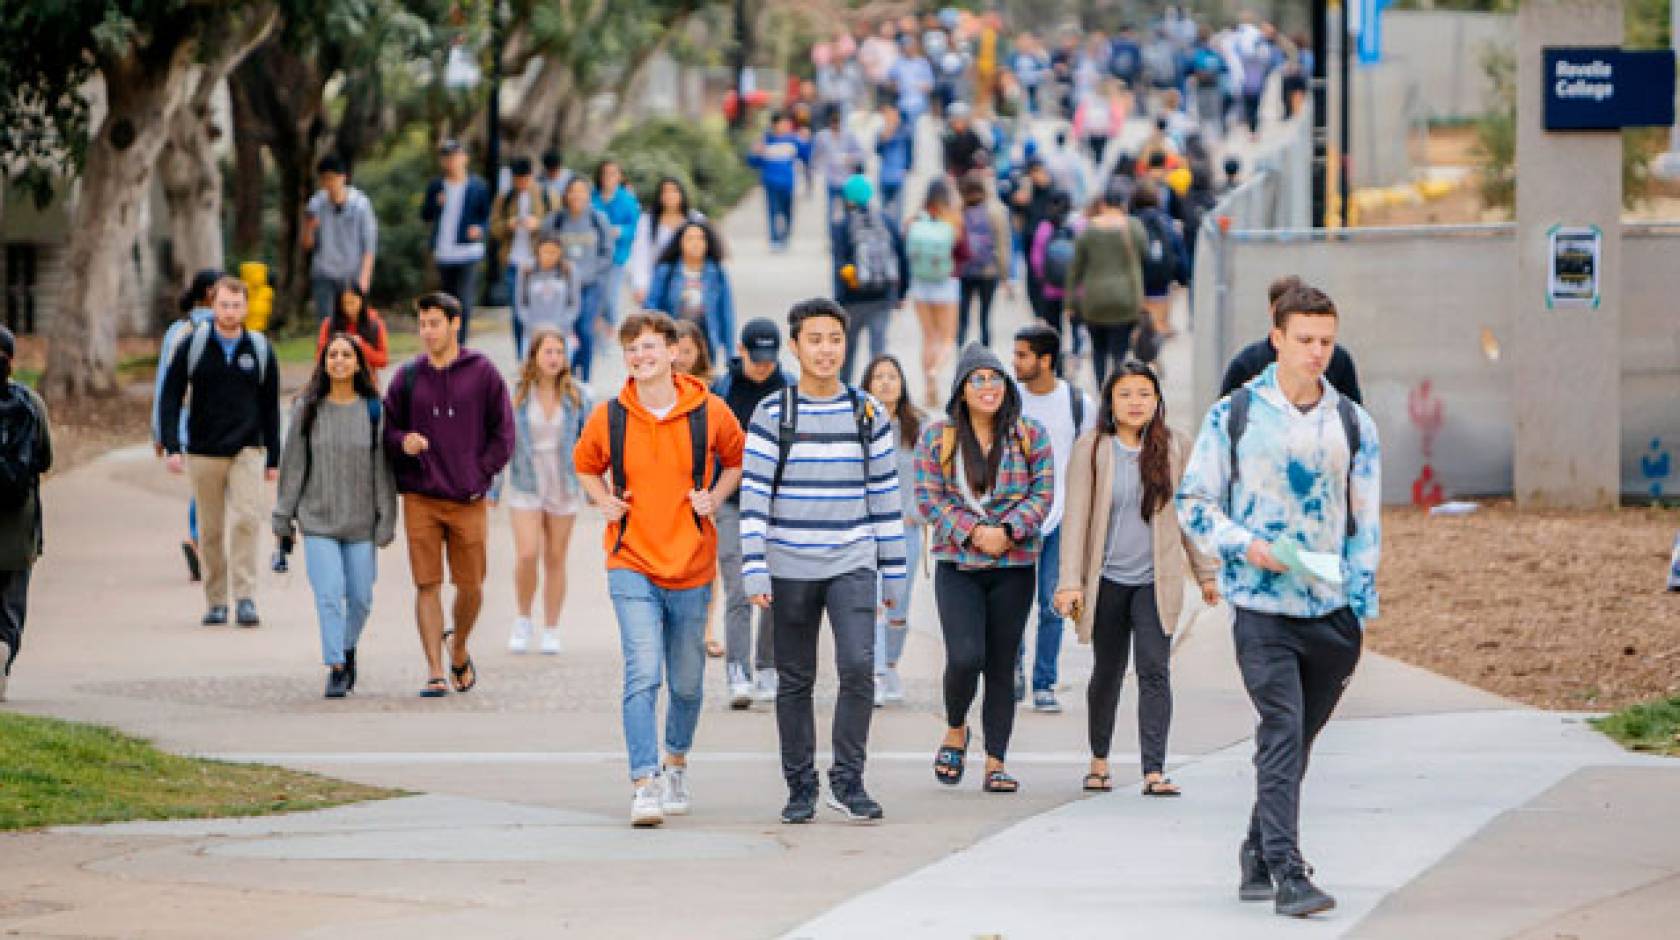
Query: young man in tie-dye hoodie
{"points": [[1305, 478]]}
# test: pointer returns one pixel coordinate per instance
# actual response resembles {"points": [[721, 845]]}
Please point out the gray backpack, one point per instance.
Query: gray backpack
{"points": [[201, 342]]}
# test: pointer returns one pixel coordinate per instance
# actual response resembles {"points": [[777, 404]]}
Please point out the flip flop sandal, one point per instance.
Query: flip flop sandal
{"points": [[435, 688], [1162, 787], [999, 781], [948, 762], [460, 672], [1098, 783]]}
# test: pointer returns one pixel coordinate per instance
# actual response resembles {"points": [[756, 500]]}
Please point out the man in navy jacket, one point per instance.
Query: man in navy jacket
{"points": [[457, 207]]}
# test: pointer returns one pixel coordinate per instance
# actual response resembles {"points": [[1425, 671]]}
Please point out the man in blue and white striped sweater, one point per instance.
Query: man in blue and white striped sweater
{"points": [[822, 530]]}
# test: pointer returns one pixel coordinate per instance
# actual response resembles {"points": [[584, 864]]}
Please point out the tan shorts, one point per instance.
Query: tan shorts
{"points": [[438, 525]]}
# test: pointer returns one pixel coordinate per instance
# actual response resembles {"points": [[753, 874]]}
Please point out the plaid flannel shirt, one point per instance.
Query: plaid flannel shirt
{"points": [[1019, 500]]}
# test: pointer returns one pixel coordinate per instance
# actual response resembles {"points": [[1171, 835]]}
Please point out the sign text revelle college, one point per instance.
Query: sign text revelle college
{"points": [[1601, 88]]}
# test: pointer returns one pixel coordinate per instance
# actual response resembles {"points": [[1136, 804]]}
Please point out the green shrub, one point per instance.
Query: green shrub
{"points": [[700, 156]]}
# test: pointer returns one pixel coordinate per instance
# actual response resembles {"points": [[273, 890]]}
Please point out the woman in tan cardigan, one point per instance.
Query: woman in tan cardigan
{"points": [[1124, 563]]}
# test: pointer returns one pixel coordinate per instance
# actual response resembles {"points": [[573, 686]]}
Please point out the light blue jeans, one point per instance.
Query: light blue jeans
{"points": [[661, 632], [341, 574], [890, 637], [612, 288]]}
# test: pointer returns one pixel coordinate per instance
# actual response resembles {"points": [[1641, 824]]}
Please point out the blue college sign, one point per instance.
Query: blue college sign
{"points": [[1602, 88]]}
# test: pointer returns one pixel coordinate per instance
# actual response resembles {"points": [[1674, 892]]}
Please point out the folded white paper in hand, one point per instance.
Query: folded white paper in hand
{"points": [[1321, 565]]}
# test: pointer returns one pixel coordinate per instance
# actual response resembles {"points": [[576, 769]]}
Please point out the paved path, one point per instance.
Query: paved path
{"points": [[1433, 809]]}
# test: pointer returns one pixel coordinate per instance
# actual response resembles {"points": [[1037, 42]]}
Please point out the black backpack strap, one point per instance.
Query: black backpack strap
{"points": [[1076, 400], [697, 449], [1350, 426], [1236, 423], [787, 430], [617, 417], [863, 412]]}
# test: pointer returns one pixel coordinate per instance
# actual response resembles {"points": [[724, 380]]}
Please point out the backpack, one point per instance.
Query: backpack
{"points": [[617, 420], [201, 341], [874, 257], [1058, 256], [930, 247], [1238, 423], [982, 243], [787, 431], [1160, 261], [1076, 405], [20, 447]]}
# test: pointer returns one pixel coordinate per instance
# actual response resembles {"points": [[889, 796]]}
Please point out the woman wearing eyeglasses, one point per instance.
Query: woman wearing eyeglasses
{"points": [[984, 483]]}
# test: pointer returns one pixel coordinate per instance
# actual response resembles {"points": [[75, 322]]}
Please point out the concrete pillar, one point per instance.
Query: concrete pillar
{"points": [[1565, 362]]}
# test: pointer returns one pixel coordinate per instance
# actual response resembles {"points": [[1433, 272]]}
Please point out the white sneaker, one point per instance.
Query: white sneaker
{"points": [[880, 690], [520, 640], [675, 798], [551, 644], [645, 809], [892, 684], [764, 690], [740, 688]]}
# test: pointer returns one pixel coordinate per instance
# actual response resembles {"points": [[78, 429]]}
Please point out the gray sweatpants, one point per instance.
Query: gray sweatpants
{"points": [[737, 613]]}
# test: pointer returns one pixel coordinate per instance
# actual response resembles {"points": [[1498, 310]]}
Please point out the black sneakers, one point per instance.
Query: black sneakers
{"points": [[850, 800], [245, 613], [350, 669], [1256, 883], [1297, 896], [338, 682], [216, 616], [802, 803]]}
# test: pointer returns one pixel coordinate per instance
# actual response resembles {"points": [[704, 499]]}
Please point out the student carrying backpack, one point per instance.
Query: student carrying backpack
{"points": [[931, 246], [874, 255], [25, 454]]}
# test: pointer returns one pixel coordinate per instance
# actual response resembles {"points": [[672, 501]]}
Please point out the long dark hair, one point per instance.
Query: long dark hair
{"points": [[673, 251], [907, 416], [1154, 463], [979, 466], [365, 327], [320, 384], [656, 206]]}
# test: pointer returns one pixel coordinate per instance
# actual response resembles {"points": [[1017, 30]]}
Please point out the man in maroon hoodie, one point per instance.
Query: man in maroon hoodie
{"points": [[449, 431]]}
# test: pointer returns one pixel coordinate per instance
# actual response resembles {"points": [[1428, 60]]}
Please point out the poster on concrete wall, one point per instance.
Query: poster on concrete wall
{"points": [[1572, 265]]}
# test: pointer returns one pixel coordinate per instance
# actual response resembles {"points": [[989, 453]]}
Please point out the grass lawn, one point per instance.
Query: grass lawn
{"points": [[62, 773], [1648, 726], [301, 348]]}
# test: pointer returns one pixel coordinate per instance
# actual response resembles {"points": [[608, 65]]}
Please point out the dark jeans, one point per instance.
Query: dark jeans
{"points": [[589, 306], [875, 317], [983, 614], [1099, 147], [985, 289], [798, 607], [460, 281], [1251, 110], [780, 205], [324, 291], [1295, 670], [510, 280], [14, 605], [1127, 617], [1109, 345], [891, 207]]}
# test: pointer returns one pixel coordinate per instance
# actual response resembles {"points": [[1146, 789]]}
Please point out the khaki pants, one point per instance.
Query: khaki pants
{"points": [[229, 491]]}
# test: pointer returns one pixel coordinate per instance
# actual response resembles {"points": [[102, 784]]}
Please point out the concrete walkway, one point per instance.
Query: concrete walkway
{"points": [[1433, 809]]}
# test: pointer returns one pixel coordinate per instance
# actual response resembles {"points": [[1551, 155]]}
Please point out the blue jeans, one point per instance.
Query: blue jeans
{"points": [[891, 205], [511, 279], [889, 636], [460, 281], [1049, 648], [589, 304], [780, 204], [661, 632], [612, 287], [341, 574]]}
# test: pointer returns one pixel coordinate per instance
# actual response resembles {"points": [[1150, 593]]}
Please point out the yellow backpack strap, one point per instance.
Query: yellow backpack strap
{"points": [[947, 446]]}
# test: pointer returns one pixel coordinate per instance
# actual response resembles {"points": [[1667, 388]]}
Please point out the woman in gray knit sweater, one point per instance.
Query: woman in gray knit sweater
{"points": [[336, 485]]}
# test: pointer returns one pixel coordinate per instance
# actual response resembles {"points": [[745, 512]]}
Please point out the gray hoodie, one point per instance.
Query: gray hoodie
{"points": [[974, 357]]}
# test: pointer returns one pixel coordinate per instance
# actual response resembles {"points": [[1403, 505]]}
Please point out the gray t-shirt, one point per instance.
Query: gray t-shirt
{"points": [[344, 234], [1129, 552]]}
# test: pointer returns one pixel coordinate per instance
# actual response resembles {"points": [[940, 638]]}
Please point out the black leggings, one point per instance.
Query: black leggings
{"points": [[983, 614], [1127, 616], [985, 288], [1109, 344]]}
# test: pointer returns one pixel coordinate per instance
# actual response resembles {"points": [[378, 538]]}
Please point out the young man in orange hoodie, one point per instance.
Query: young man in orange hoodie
{"points": [[637, 458]]}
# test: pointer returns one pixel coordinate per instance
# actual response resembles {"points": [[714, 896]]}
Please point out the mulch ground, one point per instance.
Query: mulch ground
{"points": [[1562, 610]]}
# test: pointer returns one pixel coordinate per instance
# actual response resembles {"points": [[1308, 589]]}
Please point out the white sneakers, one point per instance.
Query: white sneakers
{"points": [[646, 809], [740, 688], [764, 689], [675, 799], [664, 795], [520, 640]]}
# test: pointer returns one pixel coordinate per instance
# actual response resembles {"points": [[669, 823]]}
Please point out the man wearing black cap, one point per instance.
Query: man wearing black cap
{"points": [[457, 207], [515, 217], [555, 175], [752, 375], [25, 455]]}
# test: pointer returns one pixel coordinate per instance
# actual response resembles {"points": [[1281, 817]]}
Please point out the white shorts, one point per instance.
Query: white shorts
{"points": [[945, 293], [560, 504]]}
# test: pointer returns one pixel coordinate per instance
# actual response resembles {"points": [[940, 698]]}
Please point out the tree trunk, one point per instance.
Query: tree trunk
{"points": [[82, 355], [192, 189], [248, 142]]}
